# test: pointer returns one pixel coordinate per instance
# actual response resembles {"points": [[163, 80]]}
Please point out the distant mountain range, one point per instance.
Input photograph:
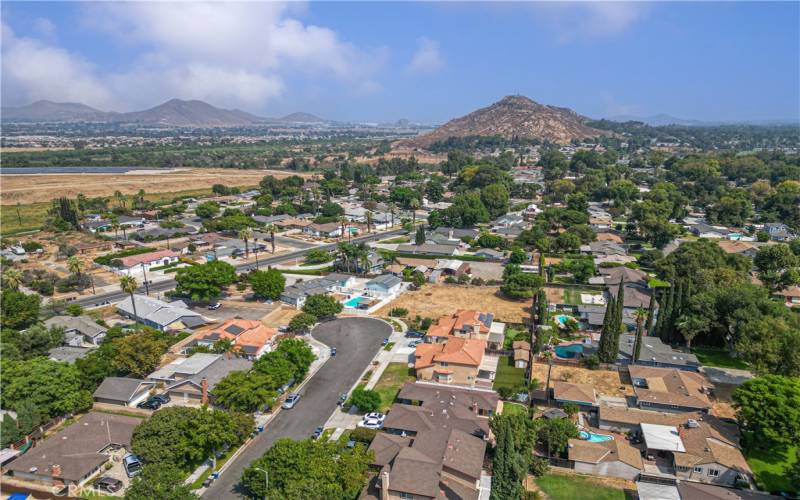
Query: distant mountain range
{"points": [[173, 113], [514, 116], [662, 119]]}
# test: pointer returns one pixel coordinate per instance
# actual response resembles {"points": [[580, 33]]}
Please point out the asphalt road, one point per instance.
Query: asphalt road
{"points": [[96, 300], [356, 340]]}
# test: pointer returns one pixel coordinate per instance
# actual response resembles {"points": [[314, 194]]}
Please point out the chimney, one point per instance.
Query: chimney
{"points": [[475, 408], [204, 389], [56, 470], [450, 234], [385, 485]]}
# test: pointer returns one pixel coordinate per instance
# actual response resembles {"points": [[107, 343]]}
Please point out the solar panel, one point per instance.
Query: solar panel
{"points": [[234, 329]]}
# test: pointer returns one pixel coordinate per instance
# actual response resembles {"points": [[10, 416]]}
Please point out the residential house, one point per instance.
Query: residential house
{"points": [[688, 490], [609, 236], [452, 267], [164, 316], [429, 249], [508, 220], [191, 380], [490, 254], [655, 353], [434, 444], [271, 219], [327, 230], [704, 230], [613, 275], [467, 324], [453, 233], [456, 361], [779, 231], [67, 354], [670, 389], [138, 264], [790, 296], [250, 337], [385, 285], [614, 458], [297, 294], [739, 247], [123, 391], [625, 419], [75, 454], [582, 395], [607, 252], [78, 330]]}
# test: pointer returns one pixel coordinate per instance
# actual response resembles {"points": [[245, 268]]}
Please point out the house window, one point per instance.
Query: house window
{"points": [[443, 363], [699, 470], [406, 495], [713, 472]]}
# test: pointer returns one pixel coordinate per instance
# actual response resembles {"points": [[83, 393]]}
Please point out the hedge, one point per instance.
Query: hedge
{"points": [[105, 260]]}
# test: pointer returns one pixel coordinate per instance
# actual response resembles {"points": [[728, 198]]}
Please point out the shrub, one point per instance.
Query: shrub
{"points": [[302, 322], [398, 312], [571, 409], [363, 435], [43, 287], [592, 362], [365, 399], [539, 466], [74, 309]]}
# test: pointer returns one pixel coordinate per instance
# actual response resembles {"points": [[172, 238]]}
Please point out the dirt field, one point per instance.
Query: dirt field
{"points": [[607, 382], [434, 301], [33, 188]]}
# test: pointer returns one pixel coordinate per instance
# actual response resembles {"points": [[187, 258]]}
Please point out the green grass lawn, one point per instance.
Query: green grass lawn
{"points": [[514, 409], [572, 296], [389, 346], [507, 375], [392, 379], [559, 487], [400, 239], [718, 358], [771, 467]]}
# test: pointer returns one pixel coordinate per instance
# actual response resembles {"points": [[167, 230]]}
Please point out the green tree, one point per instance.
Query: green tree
{"points": [[159, 482], [318, 256], [12, 278], [267, 284], [18, 310], [74, 309], [207, 210], [322, 305], [204, 282], [245, 391], [365, 399], [419, 236], [277, 366], [517, 256], [768, 410], [129, 285], [302, 322], [138, 354], [55, 388], [9, 433], [299, 354], [519, 285], [556, 433], [495, 199], [29, 417], [777, 266]]}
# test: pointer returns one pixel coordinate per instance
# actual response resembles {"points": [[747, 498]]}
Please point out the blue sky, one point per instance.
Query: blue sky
{"points": [[377, 61]]}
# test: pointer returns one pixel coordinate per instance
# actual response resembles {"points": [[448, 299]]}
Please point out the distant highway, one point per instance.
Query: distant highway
{"points": [[162, 286]]}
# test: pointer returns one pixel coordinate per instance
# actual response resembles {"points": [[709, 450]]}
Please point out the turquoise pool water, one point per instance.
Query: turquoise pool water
{"points": [[568, 351], [594, 438], [355, 301]]}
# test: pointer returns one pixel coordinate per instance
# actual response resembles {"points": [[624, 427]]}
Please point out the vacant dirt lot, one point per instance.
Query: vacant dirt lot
{"points": [[606, 382], [32, 188], [433, 301]]}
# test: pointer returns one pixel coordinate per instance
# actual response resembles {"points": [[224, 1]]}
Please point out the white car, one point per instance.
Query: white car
{"points": [[291, 400], [371, 423], [374, 416]]}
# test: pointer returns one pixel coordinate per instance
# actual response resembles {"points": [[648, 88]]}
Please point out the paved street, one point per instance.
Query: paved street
{"points": [[357, 340], [101, 299]]}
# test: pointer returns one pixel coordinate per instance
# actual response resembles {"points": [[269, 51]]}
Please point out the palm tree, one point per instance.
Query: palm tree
{"points": [[369, 220], [271, 230], [75, 265], [244, 235], [640, 315], [392, 208], [255, 249], [343, 221], [414, 204], [129, 285], [12, 278], [120, 199]]}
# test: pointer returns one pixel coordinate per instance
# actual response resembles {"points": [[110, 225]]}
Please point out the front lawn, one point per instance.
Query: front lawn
{"points": [[558, 487], [392, 379], [514, 409], [771, 467], [507, 375], [718, 358]]}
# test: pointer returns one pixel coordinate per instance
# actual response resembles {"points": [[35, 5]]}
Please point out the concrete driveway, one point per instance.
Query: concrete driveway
{"points": [[356, 340]]}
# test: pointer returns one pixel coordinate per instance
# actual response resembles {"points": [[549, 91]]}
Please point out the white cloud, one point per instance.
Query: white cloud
{"points": [[574, 20], [230, 54], [44, 28], [428, 57], [33, 70]]}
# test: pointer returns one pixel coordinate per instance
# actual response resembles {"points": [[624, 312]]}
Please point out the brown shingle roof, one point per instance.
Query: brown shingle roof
{"points": [[606, 451], [566, 391], [671, 386]]}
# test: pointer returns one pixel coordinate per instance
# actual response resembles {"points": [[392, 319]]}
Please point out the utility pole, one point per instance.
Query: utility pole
{"points": [[146, 286]]}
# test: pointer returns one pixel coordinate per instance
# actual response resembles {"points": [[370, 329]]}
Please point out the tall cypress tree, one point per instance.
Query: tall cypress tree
{"points": [[651, 311], [665, 333], [605, 350]]}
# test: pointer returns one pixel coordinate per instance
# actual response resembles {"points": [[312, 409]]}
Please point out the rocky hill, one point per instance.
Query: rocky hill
{"points": [[49, 111], [301, 117], [513, 116], [179, 113]]}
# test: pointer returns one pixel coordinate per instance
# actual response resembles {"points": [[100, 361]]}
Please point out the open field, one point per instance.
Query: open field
{"points": [[33, 188], [433, 301], [606, 382]]}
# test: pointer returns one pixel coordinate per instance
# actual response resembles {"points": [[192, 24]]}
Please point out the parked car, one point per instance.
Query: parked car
{"points": [[385, 341], [150, 404], [161, 398], [108, 484], [208, 482], [371, 423], [291, 400], [413, 334], [375, 416], [132, 464], [214, 306], [342, 399], [333, 351], [317, 433], [414, 343]]}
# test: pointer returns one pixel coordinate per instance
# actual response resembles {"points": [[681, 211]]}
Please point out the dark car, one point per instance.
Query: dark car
{"points": [[413, 334], [108, 484], [317, 433], [150, 404], [161, 398], [208, 482], [385, 341], [333, 351], [342, 399], [214, 306]]}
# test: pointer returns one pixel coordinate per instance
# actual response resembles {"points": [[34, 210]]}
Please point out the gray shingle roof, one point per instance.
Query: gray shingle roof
{"points": [[120, 388], [159, 312], [83, 324]]}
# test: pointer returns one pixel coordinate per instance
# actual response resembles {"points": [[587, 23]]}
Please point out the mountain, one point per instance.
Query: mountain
{"points": [[179, 113], [49, 111], [301, 117], [514, 116], [659, 120]]}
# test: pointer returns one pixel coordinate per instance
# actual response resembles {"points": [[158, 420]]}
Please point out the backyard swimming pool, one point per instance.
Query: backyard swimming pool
{"points": [[354, 302], [594, 438], [568, 351]]}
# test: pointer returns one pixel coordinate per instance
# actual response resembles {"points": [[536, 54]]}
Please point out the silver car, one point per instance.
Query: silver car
{"points": [[291, 400]]}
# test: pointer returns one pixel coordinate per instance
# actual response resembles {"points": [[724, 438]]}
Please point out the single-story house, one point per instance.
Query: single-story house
{"points": [[582, 395], [429, 249], [191, 380], [490, 254], [67, 354], [78, 330], [251, 338], [297, 294], [164, 316], [385, 285], [614, 458], [655, 353], [135, 264], [779, 231], [123, 391], [328, 230], [790, 295], [670, 389]]}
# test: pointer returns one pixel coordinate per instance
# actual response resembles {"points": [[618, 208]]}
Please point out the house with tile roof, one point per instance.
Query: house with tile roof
{"points": [[468, 324], [456, 361], [137, 264], [669, 389], [250, 337]]}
